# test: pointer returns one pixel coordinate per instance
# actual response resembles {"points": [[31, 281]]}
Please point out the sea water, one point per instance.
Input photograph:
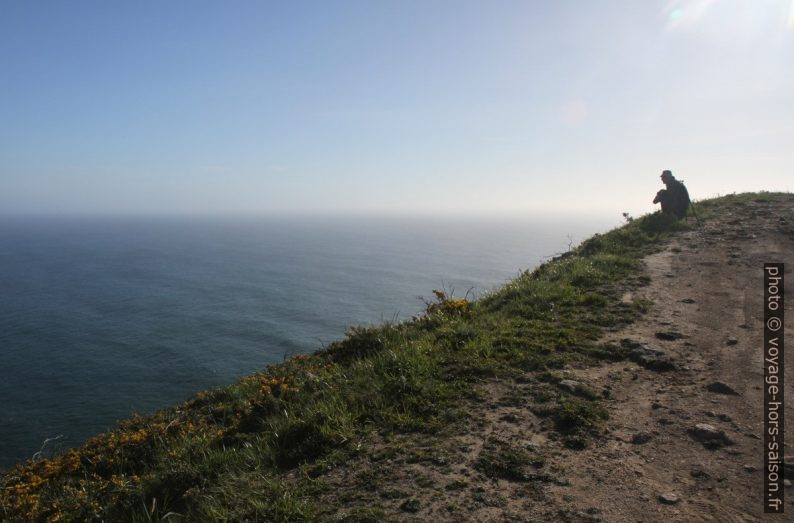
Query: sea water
{"points": [[101, 317]]}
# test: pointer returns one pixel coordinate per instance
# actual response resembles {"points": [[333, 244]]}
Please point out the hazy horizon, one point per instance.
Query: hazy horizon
{"points": [[409, 108], [442, 214], [149, 312]]}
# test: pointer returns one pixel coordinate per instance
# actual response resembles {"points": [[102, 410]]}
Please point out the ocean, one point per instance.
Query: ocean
{"points": [[101, 317]]}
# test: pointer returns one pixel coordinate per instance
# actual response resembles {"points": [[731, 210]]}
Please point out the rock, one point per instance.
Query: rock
{"points": [[750, 468], [788, 465], [569, 385], [648, 356], [725, 417], [687, 300], [669, 335], [577, 388], [719, 387], [697, 472], [411, 505], [787, 483], [510, 417], [641, 438], [710, 437], [704, 430], [731, 341], [668, 498]]}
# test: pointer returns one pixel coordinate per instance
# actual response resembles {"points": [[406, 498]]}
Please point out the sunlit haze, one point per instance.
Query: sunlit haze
{"points": [[403, 106]]}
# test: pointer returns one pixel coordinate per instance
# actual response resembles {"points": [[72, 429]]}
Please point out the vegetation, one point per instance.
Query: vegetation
{"points": [[260, 449]]}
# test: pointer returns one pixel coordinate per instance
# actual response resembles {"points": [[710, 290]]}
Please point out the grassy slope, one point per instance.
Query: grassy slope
{"points": [[260, 448]]}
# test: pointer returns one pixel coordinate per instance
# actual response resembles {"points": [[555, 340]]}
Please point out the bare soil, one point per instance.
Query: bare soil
{"points": [[706, 286]]}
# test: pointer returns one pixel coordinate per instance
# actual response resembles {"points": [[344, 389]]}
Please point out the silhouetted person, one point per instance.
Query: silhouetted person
{"points": [[674, 199]]}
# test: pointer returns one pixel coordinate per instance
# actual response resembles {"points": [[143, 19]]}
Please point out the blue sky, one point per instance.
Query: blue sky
{"points": [[403, 106]]}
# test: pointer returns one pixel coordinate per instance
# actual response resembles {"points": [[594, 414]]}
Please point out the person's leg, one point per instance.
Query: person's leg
{"points": [[666, 204], [661, 197]]}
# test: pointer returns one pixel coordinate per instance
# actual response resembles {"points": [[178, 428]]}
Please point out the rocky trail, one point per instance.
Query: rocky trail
{"points": [[683, 441], [658, 462]]}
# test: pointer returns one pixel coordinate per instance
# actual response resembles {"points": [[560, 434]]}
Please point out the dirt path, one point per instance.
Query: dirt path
{"points": [[706, 286]]}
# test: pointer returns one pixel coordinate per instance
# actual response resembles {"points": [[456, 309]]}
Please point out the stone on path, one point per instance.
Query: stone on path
{"points": [[719, 387], [648, 356], [709, 436], [669, 335]]}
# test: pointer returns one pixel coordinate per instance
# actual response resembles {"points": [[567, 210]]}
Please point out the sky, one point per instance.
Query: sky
{"points": [[192, 107]]}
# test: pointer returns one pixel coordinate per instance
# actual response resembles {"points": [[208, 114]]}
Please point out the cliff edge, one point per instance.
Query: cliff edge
{"points": [[621, 381]]}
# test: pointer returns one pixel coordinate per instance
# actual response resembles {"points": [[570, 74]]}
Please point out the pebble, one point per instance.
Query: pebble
{"points": [[668, 498]]}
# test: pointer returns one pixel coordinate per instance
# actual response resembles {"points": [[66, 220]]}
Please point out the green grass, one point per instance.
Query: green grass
{"points": [[500, 459], [259, 449]]}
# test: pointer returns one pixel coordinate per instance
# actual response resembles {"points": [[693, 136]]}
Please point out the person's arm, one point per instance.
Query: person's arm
{"points": [[659, 196]]}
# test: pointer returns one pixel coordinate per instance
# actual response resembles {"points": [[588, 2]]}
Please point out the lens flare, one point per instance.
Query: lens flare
{"points": [[676, 13], [790, 23]]}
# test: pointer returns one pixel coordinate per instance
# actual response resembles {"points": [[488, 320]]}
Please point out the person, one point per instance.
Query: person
{"points": [[675, 198]]}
